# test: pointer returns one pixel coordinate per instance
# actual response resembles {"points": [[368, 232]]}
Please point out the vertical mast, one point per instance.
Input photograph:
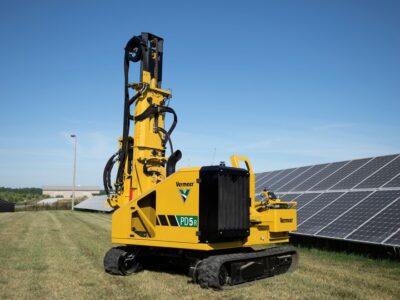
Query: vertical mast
{"points": [[142, 155]]}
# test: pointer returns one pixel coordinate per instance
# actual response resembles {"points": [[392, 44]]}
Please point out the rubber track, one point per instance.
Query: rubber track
{"points": [[207, 273], [111, 261]]}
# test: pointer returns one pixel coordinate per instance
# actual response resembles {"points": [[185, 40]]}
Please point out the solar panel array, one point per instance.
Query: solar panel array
{"points": [[356, 200], [95, 203]]}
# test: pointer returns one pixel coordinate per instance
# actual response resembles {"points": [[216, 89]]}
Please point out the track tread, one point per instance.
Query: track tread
{"points": [[208, 270], [111, 261]]}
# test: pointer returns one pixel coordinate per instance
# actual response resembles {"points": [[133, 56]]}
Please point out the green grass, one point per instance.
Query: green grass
{"points": [[59, 255]]}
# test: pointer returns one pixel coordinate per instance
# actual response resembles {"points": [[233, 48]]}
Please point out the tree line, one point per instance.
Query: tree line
{"points": [[20, 194]]}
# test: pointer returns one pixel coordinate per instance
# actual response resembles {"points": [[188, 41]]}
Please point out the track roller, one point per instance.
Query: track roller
{"points": [[122, 261]]}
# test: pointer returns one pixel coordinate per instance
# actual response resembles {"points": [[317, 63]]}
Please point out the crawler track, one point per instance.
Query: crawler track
{"points": [[229, 270]]}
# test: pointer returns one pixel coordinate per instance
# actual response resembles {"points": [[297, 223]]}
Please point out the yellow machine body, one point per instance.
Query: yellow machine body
{"points": [[157, 207], [143, 214]]}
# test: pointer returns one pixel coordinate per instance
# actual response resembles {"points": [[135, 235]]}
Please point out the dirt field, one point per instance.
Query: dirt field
{"points": [[59, 255]]}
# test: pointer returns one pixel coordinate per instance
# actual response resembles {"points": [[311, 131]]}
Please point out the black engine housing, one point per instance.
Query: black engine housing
{"points": [[224, 208]]}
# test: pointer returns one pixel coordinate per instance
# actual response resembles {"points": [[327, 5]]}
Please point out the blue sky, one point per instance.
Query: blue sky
{"points": [[287, 83]]}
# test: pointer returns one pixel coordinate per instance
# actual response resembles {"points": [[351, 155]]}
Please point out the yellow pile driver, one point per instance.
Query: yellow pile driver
{"points": [[208, 218]]}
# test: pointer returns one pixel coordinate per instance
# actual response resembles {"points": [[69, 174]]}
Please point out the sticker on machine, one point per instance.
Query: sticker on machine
{"points": [[187, 221]]}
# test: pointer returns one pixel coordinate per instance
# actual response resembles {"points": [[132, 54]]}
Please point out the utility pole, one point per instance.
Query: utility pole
{"points": [[74, 174]]}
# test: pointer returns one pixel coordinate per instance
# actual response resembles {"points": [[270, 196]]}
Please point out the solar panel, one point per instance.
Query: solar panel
{"points": [[302, 177], [356, 177], [317, 177], [331, 212], [280, 176], [351, 200], [95, 203], [313, 206], [262, 176], [361, 213], [393, 240], [347, 169], [380, 227], [382, 176], [395, 182], [289, 197], [303, 199], [276, 185], [275, 175]]}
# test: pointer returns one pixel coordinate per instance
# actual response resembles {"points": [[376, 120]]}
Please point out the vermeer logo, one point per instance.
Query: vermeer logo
{"points": [[184, 192], [286, 220], [183, 184]]}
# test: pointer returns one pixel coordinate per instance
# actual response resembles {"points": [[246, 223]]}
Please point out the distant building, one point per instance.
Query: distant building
{"points": [[66, 191]]}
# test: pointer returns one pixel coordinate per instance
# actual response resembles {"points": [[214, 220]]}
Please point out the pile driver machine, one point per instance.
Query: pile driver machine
{"points": [[205, 218]]}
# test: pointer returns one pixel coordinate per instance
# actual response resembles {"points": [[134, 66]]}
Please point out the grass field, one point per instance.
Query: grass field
{"points": [[59, 254]]}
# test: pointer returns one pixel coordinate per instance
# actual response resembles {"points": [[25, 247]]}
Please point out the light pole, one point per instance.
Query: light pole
{"points": [[74, 174]]}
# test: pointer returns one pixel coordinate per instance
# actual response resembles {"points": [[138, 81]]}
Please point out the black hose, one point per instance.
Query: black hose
{"points": [[153, 110], [107, 173], [150, 111], [166, 138], [133, 52], [172, 160], [163, 109]]}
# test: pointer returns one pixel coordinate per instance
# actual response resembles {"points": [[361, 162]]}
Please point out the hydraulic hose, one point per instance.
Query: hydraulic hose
{"points": [[133, 52], [153, 111], [172, 160], [107, 173]]}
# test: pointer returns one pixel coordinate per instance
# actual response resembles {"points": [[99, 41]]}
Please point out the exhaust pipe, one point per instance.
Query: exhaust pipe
{"points": [[172, 160]]}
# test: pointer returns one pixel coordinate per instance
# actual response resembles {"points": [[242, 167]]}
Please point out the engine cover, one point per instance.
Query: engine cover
{"points": [[224, 204]]}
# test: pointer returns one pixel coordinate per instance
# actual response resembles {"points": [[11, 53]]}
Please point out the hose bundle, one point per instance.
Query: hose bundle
{"points": [[135, 51]]}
